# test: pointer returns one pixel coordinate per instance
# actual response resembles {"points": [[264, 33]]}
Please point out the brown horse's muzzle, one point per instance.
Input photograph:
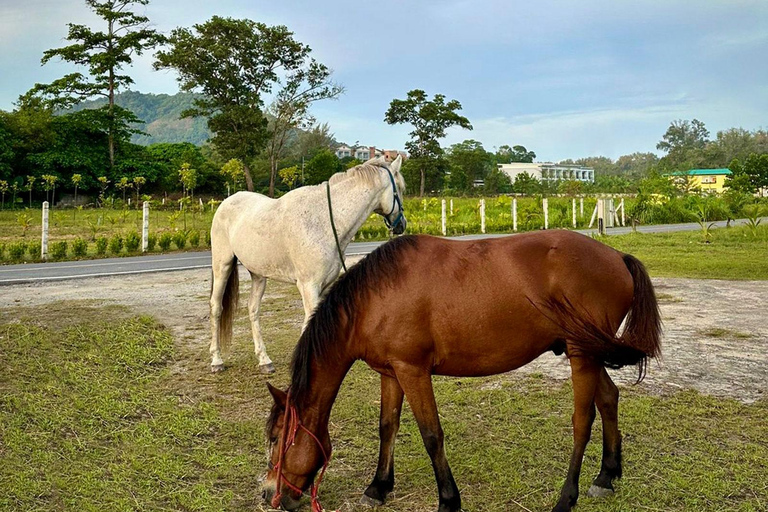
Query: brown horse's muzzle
{"points": [[287, 502]]}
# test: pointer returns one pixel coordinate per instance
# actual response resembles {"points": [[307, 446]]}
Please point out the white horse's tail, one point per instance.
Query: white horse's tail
{"points": [[229, 306]]}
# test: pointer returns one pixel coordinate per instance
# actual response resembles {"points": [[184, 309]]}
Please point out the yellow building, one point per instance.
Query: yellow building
{"points": [[707, 180]]}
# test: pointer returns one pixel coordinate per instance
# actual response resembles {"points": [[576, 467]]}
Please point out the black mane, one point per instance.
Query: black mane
{"points": [[333, 318]]}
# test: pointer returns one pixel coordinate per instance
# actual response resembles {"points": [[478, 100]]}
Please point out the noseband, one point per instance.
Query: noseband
{"points": [[291, 426], [395, 202]]}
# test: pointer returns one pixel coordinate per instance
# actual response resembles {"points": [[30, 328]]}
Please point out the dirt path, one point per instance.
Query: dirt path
{"points": [[716, 334]]}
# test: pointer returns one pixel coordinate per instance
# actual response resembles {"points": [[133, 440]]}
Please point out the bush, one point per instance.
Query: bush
{"points": [[79, 247], [194, 239], [16, 250], [116, 244], [101, 245], [208, 238], [35, 250], [151, 242], [165, 241], [180, 239], [2, 250], [132, 241], [59, 250]]}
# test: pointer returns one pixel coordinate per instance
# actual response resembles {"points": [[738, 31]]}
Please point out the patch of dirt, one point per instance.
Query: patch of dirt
{"points": [[730, 364]]}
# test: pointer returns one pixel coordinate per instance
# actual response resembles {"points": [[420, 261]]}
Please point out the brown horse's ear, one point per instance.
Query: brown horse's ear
{"points": [[278, 395]]}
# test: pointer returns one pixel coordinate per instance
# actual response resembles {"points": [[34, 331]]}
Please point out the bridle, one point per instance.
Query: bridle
{"points": [[291, 426], [396, 201]]}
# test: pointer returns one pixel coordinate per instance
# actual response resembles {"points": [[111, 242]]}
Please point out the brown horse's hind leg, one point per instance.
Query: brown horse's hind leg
{"points": [[389, 424], [585, 374], [417, 385], [607, 400]]}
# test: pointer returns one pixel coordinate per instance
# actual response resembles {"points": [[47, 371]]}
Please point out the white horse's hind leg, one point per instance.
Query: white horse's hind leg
{"points": [[310, 295], [258, 284], [221, 271]]}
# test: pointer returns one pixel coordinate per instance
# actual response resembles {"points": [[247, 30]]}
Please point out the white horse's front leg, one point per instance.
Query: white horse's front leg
{"points": [[258, 285], [310, 295]]}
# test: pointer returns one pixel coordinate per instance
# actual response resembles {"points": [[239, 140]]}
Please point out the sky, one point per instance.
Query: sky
{"points": [[566, 79]]}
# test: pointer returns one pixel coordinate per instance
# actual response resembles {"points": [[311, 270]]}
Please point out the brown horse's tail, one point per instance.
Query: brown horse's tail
{"points": [[640, 340], [229, 306]]}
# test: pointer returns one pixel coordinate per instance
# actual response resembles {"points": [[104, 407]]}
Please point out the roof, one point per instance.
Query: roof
{"points": [[702, 172]]}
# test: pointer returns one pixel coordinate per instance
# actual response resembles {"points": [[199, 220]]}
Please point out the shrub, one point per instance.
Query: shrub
{"points": [[101, 245], [2, 250], [35, 250], [165, 241], [116, 244], [194, 239], [58, 250], [16, 250], [132, 241], [79, 247], [180, 239], [151, 242], [208, 238]]}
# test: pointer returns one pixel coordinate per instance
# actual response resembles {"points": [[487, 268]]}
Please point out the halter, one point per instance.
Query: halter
{"points": [[395, 202], [291, 426]]}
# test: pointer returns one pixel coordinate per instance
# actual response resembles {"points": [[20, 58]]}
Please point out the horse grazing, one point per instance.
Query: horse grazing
{"points": [[299, 238], [420, 306]]}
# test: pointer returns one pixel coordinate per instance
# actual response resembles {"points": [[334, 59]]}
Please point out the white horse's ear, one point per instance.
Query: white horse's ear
{"points": [[395, 166]]}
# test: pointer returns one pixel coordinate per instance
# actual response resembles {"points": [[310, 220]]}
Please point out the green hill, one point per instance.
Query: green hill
{"points": [[160, 113]]}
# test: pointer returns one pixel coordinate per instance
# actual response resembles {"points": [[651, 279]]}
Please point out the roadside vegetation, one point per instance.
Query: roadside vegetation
{"points": [[101, 410]]}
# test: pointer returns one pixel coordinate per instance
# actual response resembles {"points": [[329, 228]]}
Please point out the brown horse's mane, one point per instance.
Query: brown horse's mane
{"points": [[330, 325]]}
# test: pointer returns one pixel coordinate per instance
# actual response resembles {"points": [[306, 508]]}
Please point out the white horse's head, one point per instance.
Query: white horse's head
{"points": [[391, 205]]}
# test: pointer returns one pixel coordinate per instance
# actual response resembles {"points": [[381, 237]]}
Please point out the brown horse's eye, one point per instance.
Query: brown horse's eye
{"points": [[270, 466]]}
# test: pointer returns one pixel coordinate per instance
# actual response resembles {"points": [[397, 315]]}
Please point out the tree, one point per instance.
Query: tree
{"points": [[76, 179], [507, 155], [233, 63], [526, 184], [684, 143], [322, 166], [430, 120], [290, 175], [234, 172], [468, 161], [635, 165], [290, 110], [188, 178], [497, 182], [308, 143], [104, 54]]}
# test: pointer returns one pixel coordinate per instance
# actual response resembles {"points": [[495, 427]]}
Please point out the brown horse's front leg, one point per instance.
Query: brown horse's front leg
{"points": [[417, 385], [389, 424], [585, 374]]}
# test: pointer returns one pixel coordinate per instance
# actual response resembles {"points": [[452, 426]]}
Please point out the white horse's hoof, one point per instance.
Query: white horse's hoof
{"points": [[599, 492], [216, 368], [267, 369], [370, 502]]}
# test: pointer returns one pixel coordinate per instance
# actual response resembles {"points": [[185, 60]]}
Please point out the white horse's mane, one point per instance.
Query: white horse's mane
{"points": [[367, 172]]}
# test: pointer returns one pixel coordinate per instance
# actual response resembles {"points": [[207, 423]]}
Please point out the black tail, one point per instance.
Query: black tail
{"points": [[640, 340], [229, 306]]}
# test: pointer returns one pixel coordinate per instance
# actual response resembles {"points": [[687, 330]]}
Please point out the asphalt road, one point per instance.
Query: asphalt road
{"points": [[36, 272]]}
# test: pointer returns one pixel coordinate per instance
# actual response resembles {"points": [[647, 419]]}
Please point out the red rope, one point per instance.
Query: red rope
{"points": [[291, 426]]}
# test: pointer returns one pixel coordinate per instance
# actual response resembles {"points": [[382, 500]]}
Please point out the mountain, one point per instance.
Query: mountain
{"points": [[160, 113]]}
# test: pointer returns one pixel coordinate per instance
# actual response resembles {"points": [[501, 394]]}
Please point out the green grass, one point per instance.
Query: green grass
{"points": [[100, 410], [733, 253]]}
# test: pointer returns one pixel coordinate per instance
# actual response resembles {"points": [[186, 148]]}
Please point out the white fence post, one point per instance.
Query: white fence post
{"points": [[622, 212], [514, 214], [581, 207], [573, 208], [443, 217], [610, 213], [44, 241], [545, 205], [145, 228], [594, 214], [451, 207], [482, 215], [601, 210]]}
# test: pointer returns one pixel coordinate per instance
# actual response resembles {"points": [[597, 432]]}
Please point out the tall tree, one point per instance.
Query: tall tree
{"points": [[104, 54], [290, 109], [468, 161], [234, 63], [430, 119], [684, 142], [507, 155]]}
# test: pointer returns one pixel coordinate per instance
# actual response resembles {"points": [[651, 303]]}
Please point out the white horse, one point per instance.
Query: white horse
{"points": [[294, 239]]}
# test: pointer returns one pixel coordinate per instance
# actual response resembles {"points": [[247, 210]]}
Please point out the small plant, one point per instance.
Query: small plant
{"points": [[706, 226], [194, 239], [16, 250], [24, 220], [151, 242], [35, 250], [180, 239], [165, 241], [132, 241], [116, 244], [79, 247], [753, 218], [58, 250], [101, 245]]}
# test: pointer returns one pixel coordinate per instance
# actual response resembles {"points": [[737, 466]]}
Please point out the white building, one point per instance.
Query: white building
{"points": [[548, 171]]}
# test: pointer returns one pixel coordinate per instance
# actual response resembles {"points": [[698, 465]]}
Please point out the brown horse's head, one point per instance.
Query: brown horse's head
{"points": [[303, 453]]}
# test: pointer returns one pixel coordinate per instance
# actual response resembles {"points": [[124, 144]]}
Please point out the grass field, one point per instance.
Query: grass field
{"points": [[101, 410]]}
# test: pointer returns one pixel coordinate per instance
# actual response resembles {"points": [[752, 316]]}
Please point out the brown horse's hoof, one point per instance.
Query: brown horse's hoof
{"points": [[599, 492], [216, 368], [267, 369], [370, 502]]}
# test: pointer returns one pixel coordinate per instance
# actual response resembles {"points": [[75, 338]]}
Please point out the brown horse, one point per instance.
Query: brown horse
{"points": [[420, 306]]}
